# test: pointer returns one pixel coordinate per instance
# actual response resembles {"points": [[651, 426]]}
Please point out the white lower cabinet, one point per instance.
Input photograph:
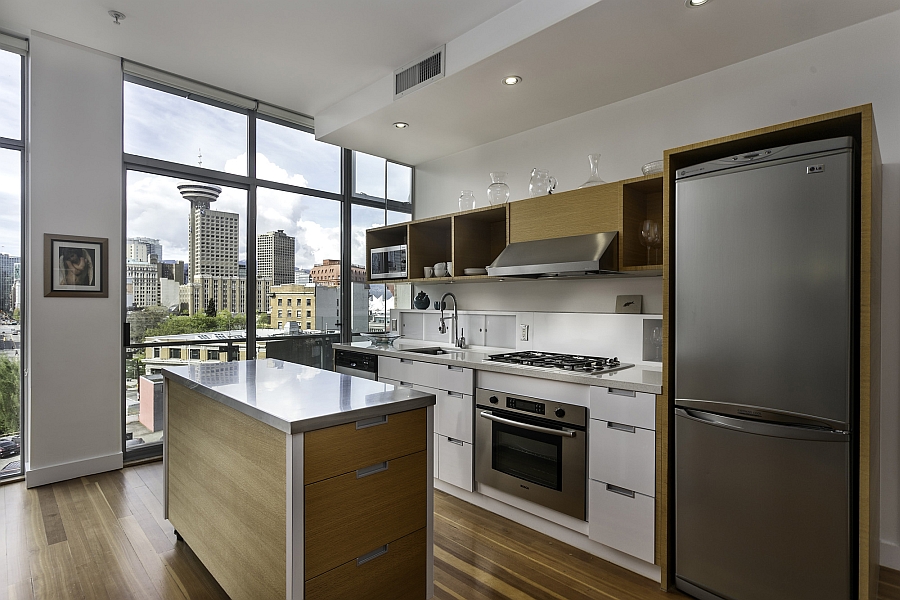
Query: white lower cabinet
{"points": [[623, 455], [622, 519], [453, 412], [455, 462]]}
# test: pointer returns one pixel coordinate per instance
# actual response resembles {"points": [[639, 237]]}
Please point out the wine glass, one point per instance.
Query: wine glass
{"points": [[649, 236], [656, 338]]}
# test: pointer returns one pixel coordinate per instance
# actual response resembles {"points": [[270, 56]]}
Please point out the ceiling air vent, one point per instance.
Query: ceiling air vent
{"points": [[419, 73]]}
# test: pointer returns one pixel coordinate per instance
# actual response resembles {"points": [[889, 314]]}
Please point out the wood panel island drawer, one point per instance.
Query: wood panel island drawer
{"points": [[395, 570], [344, 448], [349, 515]]}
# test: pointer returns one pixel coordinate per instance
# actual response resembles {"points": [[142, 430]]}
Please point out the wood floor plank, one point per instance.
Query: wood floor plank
{"points": [[159, 572], [53, 525], [18, 568], [54, 574], [22, 590]]}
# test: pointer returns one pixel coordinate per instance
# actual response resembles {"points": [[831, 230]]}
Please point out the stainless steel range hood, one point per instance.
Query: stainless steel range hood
{"points": [[577, 255]]}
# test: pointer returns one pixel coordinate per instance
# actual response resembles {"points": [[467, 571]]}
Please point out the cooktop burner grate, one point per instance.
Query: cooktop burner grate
{"points": [[567, 362]]}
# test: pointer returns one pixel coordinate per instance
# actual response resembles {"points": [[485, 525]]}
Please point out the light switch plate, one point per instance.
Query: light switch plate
{"points": [[523, 333]]}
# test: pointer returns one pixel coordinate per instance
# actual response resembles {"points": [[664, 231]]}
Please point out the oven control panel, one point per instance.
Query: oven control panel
{"points": [[568, 414], [528, 406]]}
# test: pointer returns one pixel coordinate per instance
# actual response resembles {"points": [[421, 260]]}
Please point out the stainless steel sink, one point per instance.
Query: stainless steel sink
{"points": [[431, 351]]}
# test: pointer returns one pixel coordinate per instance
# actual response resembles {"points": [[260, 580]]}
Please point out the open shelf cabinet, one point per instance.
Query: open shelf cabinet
{"points": [[642, 199]]}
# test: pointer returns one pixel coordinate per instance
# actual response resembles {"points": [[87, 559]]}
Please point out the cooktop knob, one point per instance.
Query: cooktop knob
{"points": [[560, 413], [494, 399]]}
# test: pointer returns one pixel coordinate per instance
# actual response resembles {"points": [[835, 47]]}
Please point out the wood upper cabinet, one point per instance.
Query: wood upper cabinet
{"points": [[589, 210], [474, 238]]}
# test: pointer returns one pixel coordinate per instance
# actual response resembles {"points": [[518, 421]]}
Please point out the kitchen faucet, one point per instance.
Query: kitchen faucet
{"points": [[457, 341]]}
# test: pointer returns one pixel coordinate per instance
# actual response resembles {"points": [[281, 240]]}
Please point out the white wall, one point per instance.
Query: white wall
{"points": [[853, 66], [74, 364]]}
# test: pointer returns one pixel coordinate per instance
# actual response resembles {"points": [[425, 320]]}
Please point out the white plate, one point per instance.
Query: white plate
{"points": [[474, 271]]}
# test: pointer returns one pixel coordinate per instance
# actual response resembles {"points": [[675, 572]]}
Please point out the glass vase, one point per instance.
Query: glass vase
{"points": [[467, 200], [498, 191], [594, 179]]}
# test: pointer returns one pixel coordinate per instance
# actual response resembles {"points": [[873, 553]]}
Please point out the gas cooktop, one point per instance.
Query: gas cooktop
{"points": [[594, 365]]}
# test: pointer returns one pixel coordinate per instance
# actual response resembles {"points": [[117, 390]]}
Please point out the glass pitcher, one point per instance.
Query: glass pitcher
{"points": [[542, 183]]}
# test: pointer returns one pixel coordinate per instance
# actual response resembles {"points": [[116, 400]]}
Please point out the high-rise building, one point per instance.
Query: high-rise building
{"points": [[141, 248], [275, 257], [8, 266], [142, 283], [301, 276], [212, 235]]}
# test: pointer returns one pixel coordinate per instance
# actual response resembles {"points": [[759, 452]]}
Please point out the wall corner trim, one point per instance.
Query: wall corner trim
{"points": [[71, 470]]}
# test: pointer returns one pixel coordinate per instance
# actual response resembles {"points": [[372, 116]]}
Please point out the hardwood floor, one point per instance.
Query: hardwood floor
{"points": [[104, 537]]}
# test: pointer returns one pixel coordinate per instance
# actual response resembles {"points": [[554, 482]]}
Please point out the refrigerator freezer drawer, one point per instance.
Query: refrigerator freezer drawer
{"points": [[759, 515], [622, 519]]}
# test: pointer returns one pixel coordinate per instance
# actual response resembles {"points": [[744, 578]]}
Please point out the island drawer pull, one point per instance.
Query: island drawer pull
{"points": [[379, 420], [371, 555], [406, 361], [619, 490], [452, 368], [376, 468], [620, 427], [404, 384], [455, 394], [620, 392], [454, 441]]}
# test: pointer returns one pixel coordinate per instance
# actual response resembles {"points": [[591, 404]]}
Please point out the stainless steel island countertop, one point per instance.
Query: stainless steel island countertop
{"points": [[295, 398], [640, 378]]}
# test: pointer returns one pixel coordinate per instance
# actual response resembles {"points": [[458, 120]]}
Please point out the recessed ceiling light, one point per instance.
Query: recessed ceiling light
{"points": [[512, 80], [695, 3], [401, 125]]}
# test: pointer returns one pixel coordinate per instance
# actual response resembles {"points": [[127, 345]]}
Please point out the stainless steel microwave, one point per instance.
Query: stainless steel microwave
{"points": [[388, 263]]}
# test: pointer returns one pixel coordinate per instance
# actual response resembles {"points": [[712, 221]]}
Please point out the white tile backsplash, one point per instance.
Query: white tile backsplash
{"points": [[573, 333]]}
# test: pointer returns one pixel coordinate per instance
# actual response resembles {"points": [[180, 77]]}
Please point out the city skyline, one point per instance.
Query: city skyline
{"points": [[283, 155]]}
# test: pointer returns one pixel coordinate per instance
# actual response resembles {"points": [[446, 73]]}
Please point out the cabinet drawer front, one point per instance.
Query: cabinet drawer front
{"points": [[621, 521], [624, 456], [453, 415], [455, 379], [623, 406], [408, 370], [397, 572], [349, 515], [344, 448], [455, 462]]}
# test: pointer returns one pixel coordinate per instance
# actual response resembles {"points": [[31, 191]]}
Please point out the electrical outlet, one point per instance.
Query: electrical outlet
{"points": [[523, 333]]}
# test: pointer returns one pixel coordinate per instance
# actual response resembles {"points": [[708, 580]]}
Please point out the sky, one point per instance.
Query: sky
{"points": [[10, 160], [168, 127]]}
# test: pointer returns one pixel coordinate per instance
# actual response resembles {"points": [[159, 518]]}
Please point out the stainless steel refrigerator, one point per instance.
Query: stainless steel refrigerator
{"points": [[765, 359]]}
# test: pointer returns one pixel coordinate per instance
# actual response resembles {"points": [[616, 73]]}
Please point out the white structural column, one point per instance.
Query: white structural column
{"points": [[74, 345]]}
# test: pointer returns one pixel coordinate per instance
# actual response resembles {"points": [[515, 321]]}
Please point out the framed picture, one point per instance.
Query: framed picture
{"points": [[76, 266]]}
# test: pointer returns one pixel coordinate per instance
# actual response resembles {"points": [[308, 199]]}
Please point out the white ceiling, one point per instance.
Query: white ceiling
{"points": [[300, 54], [312, 56]]}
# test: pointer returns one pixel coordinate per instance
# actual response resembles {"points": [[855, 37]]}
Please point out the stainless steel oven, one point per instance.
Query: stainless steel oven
{"points": [[532, 448]]}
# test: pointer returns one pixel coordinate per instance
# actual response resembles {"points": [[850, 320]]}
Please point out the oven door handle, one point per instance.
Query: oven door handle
{"points": [[560, 432]]}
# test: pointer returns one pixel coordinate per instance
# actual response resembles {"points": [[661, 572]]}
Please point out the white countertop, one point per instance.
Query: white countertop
{"points": [[640, 378], [295, 398]]}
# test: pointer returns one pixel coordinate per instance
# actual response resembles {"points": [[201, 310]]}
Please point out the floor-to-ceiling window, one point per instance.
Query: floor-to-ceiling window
{"points": [[234, 230], [381, 195], [12, 159]]}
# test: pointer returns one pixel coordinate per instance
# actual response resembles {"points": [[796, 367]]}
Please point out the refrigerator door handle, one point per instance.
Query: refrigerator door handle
{"points": [[760, 428]]}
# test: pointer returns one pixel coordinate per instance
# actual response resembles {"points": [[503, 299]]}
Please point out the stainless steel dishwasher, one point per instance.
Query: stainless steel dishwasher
{"points": [[358, 364]]}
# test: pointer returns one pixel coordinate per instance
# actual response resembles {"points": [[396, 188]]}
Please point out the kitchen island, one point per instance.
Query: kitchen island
{"points": [[292, 482]]}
